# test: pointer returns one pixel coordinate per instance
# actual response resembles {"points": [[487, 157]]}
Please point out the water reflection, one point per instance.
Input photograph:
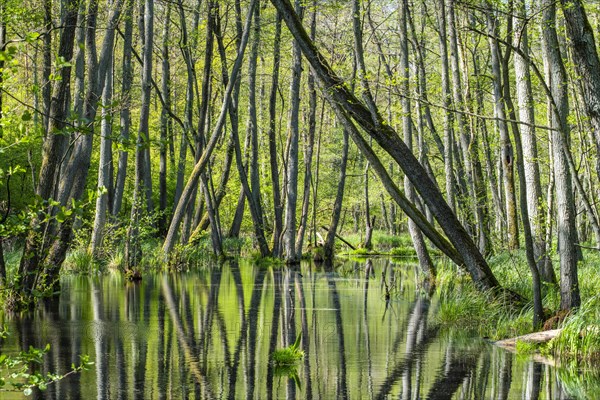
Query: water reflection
{"points": [[368, 332]]}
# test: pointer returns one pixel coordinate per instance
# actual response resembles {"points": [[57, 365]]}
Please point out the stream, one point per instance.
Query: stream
{"points": [[208, 333]]}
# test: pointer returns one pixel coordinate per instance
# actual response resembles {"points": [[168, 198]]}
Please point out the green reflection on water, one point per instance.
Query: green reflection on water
{"points": [[208, 334]]}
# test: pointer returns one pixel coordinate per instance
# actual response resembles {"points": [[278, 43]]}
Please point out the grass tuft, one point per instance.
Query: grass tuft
{"points": [[289, 355]]}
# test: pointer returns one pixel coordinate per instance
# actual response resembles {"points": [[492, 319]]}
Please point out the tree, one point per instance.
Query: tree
{"points": [[353, 109], [565, 206]]}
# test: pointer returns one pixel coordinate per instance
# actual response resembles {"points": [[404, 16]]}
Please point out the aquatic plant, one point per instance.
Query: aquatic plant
{"points": [[17, 375], [79, 260], [288, 355]]}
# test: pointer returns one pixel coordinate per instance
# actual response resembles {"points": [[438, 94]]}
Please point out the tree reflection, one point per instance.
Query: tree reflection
{"points": [[209, 333]]}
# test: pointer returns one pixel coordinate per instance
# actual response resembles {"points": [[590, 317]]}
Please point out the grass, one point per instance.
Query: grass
{"points": [[462, 305], [579, 341], [80, 260], [288, 355]]}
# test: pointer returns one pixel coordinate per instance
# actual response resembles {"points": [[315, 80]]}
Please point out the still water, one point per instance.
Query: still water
{"points": [[208, 333]]}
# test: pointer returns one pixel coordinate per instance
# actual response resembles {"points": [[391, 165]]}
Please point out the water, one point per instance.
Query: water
{"points": [[208, 334]]}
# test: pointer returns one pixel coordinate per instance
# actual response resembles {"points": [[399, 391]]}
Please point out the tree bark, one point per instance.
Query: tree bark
{"points": [[586, 62], [289, 236], [506, 149], [531, 168], [407, 124], [329, 245], [565, 206], [448, 116], [144, 128], [277, 205], [309, 140], [125, 114], [166, 126], [52, 153], [104, 170]]}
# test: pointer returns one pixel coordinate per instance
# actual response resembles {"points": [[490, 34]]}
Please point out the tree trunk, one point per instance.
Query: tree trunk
{"points": [[289, 236], [586, 61], [47, 87], [277, 206], [448, 116], [417, 237], [144, 128], [255, 203], [52, 153], [530, 155], [474, 216], [367, 243], [2, 48], [506, 150], [104, 169], [165, 123], [309, 140], [565, 206], [329, 245], [125, 101]]}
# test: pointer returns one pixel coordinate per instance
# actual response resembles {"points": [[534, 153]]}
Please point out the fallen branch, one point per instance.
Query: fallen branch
{"points": [[535, 337], [339, 237]]}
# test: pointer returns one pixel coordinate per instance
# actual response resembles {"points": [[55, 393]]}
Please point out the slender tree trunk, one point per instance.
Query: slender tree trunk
{"points": [[506, 151], [255, 202], [165, 122], [309, 140], [565, 206], [448, 116], [329, 245], [104, 169], [47, 67], [473, 215], [2, 48], [144, 128], [277, 205], [407, 124], [289, 237], [367, 243], [125, 114], [530, 155], [189, 107]]}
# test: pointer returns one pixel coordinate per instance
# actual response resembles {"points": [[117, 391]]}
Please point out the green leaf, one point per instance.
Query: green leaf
{"points": [[26, 116], [32, 36], [27, 392]]}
